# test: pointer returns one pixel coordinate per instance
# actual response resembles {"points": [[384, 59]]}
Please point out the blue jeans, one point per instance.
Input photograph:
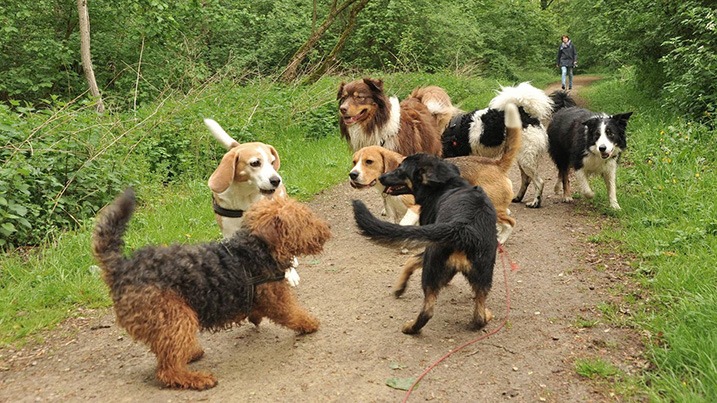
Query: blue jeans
{"points": [[567, 70]]}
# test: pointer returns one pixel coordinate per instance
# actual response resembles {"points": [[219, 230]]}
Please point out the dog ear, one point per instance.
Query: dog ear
{"points": [[375, 85], [269, 231], [224, 174], [276, 164], [439, 173], [592, 122], [390, 160], [341, 91], [621, 119]]}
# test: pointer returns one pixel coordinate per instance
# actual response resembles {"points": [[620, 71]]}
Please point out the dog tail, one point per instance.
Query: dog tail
{"points": [[387, 233], [533, 100], [107, 243], [561, 99], [513, 137], [438, 103], [220, 135]]}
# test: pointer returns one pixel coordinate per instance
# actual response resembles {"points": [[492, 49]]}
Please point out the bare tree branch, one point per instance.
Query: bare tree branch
{"points": [[84, 17]]}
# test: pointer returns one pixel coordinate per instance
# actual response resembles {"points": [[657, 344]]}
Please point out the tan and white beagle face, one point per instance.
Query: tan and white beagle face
{"points": [[250, 166], [369, 163], [246, 173]]}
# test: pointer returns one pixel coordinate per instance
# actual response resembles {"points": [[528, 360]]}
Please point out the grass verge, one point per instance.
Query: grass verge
{"points": [[669, 224]]}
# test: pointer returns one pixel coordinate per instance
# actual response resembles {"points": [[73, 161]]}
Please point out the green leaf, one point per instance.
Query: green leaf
{"points": [[401, 383], [395, 365]]}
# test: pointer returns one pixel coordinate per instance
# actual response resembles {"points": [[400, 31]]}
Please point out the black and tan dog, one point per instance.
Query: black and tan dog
{"points": [[163, 295], [457, 225]]}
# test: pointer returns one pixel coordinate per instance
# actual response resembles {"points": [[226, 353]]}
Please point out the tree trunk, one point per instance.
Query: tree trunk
{"points": [[331, 58], [86, 55], [290, 72]]}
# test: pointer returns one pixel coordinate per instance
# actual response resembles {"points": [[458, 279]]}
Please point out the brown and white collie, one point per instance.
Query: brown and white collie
{"points": [[370, 118]]}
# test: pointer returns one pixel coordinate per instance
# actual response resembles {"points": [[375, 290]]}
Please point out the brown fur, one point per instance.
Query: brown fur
{"points": [[164, 295], [365, 119], [438, 102]]}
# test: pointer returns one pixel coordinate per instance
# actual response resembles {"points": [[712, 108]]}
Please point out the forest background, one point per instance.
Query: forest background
{"points": [[268, 70]]}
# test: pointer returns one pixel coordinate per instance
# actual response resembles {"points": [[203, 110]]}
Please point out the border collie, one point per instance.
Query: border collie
{"points": [[590, 143]]}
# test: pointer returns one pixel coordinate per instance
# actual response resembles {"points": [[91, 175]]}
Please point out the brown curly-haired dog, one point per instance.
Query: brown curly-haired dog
{"points": [[164, 295]]}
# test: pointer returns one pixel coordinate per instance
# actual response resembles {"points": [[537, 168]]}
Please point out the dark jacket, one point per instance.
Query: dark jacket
{"points": [[567, 55]]}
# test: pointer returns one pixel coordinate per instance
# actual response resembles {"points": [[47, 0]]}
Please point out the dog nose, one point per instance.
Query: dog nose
{"points": [[353, 175], [602, 148], [275, 181], [343, 109]]}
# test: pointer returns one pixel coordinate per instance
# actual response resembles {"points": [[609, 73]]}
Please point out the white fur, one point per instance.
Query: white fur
{"points": [[594, 164], [384, 136], [219, 134], [533, 100], [410, 218], [474, 132]]}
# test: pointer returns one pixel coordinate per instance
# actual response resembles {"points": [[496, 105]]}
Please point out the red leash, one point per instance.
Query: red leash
{"points": [[513, 266]]}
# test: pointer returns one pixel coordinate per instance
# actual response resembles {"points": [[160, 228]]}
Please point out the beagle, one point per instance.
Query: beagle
{"points": [[247, 173]]}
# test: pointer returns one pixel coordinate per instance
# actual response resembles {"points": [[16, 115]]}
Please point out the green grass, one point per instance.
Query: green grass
{"points": [[596, 368], [666, 188]]}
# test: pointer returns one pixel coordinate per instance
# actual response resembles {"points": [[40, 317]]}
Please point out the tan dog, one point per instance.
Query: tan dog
{"points": [[371, 162], [247, 173], [438, 103]]}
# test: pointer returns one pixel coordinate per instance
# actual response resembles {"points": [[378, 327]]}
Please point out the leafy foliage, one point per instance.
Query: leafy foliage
{"points": [[672, 45], [140, 48]]}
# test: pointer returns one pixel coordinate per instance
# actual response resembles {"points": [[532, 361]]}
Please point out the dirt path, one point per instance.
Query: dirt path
{"points": [[359, 345]]}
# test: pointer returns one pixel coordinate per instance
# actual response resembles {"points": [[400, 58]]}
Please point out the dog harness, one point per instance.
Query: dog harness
{"points": [[224, 212], [253, 281]]}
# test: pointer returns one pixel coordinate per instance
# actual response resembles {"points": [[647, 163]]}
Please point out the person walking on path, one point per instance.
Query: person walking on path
{"points": [[567, 60]]}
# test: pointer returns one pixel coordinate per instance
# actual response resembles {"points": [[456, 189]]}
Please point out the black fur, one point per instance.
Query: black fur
{"points": [[216, 279], [455, 217], [561, 99], [455, 138]]}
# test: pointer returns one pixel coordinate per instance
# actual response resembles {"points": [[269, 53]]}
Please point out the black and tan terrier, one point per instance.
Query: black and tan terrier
{"points": [[164, 295]]}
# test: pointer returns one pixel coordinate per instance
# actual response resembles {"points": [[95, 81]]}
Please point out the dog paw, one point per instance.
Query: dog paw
{"points": [[589, 195], [255, 319], [615, 206], [188, 380], [409, 328], [310, 325], [567, 199], [479, 322], [292, 277], [534, 204], [398, 291]]}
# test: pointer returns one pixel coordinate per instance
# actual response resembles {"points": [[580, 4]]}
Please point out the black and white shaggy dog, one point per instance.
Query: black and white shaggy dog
{"points": [[457, 226], [590, 143], [482, 132]]}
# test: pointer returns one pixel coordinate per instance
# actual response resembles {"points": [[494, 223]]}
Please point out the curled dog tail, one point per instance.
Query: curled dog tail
{"points": [[393, 234], [107, 243], [561, 99], [533, 100], [513, 137]]}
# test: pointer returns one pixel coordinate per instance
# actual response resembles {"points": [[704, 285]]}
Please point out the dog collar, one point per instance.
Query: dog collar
{"points": [[226, 212]]}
